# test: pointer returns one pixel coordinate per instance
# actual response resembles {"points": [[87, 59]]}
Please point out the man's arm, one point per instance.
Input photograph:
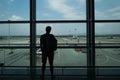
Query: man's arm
{"points": [[41, 42]]}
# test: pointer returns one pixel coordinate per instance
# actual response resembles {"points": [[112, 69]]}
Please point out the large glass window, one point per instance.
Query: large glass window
{"points": [[107, 10], [107, 34], [67, 34], [14, 35], [66, 57], [107, 28], [61, 9], [64, 29], [15, 57], [108, 57], [75, 39], [14, 10]]}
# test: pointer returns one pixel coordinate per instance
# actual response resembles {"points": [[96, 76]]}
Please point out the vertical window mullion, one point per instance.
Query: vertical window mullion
{"points": [[90, 39], [93, 39], [32, 39]]}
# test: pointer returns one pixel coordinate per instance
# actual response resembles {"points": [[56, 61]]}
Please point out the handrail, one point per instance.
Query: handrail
{"points": [[64, 45], [26, 47], [61, 66]]}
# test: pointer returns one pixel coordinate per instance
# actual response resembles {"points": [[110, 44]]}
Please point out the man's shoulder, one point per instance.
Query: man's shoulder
{"points": [[42, 35], [51, 35]]}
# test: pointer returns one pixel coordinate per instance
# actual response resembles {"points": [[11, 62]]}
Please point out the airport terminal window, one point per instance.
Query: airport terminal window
{"points": [[108, 57], [107, 29], [15, 57], [61, 9], [3, 32], [107, 34], [15, 10], [67, 34], [66, 57], [110, 11], [106, 23], [14, 35], [64, 29]]}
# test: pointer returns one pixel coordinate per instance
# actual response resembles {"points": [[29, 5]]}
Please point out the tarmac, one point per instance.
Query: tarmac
{"points": [[63, 56]]}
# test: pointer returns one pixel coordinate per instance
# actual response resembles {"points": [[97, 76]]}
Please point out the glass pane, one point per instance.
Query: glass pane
{"points": [[67, 57], [15, 57], [108, 57], [107, 34], [61, 9], [14, 34], [67, 34], [107, 9], [14, 10], [75, 32]]}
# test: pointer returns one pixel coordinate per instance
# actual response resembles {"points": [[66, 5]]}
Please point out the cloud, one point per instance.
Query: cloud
{"points": [[11, 0], [82, 1], [113, 13], [2, 15], [15, 17], [46, 14], [98, 0], [67, 11], [114, 9]]}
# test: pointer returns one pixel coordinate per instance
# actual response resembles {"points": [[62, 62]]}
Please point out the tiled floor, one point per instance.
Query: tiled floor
{"points": [[56, 78]]}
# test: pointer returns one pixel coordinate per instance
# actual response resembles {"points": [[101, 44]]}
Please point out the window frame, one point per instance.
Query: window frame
{"points": [[90, 29]]}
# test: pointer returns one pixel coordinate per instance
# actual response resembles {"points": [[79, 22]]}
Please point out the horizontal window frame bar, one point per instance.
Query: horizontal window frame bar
{"points": [[67, 44], [107, 21], [97, 67], [14, 47], [15, 22], [62, 21]]}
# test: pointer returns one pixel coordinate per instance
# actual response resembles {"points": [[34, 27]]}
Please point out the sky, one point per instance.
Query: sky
{"points": [[17, 10]]}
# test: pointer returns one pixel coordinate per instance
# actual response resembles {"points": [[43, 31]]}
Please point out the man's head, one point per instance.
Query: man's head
{"points": [[48, 29]]}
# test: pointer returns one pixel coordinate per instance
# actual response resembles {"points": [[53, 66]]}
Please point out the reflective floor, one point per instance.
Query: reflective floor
{"points": [[15, 73]]}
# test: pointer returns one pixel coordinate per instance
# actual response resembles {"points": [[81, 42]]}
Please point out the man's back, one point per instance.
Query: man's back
{"points": [[48, 42]]}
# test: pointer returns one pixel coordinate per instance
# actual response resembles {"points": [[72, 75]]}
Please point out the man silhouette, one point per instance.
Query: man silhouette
{"points": [[48, 45]]}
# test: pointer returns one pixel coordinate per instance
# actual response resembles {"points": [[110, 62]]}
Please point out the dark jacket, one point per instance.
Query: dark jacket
{"points": [[48, 42]]}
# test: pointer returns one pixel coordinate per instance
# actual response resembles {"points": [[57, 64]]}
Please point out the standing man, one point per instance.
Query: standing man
{"points": [[48, 45]]}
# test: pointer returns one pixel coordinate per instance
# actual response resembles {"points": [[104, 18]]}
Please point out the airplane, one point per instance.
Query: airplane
{"points": [[39, 52]]}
